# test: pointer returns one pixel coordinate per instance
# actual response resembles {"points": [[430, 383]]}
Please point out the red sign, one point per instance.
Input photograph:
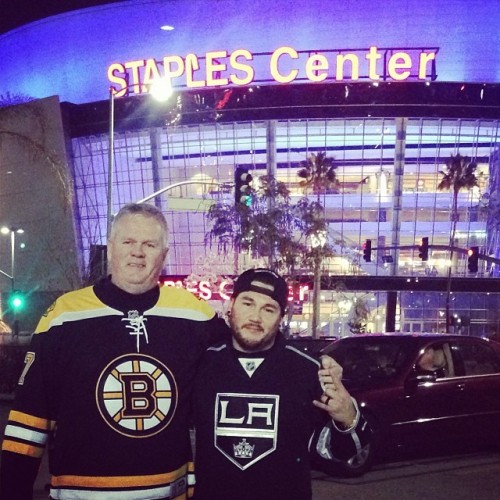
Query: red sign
{"points": [[223, 288]]}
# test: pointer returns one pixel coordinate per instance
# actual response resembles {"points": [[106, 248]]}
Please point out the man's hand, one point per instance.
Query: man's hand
{"points": [[335, 399]]}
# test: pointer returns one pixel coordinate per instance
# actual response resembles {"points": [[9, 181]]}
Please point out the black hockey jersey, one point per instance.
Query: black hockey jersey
{"points": [[107, 386], [255, 425]]}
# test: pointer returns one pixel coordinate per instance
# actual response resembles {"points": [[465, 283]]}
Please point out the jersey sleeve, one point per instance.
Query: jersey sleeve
{"points": [[30, 422], [331, 443]]}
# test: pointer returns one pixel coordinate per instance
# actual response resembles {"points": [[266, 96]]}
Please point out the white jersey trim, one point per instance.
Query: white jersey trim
{"points": [[26, 434], [150, 493]]}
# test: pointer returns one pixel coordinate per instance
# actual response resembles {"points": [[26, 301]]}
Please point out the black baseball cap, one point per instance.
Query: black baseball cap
{"points": [[263, 281]]}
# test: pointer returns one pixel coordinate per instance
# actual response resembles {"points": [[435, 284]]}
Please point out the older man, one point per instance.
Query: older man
{"points": [[259, 406], [108, 379]]}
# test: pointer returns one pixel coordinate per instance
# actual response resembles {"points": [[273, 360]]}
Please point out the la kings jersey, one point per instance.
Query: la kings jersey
{"points": [[108, 378], [255, 423]]}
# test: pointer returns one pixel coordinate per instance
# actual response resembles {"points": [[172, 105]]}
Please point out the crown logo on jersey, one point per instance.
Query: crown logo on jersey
{"points": [[243, 449]]}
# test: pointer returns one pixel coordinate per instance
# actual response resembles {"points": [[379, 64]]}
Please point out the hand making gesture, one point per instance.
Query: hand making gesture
{"points": [[335, 398]]}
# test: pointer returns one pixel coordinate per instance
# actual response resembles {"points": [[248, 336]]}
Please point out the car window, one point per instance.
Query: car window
{"points": [[477, 358], [369, 360], [436, 359]]}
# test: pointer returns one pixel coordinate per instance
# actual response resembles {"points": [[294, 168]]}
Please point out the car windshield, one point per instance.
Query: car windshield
{"points": [[370, 359]]}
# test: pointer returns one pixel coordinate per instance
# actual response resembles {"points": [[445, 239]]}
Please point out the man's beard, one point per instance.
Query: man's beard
{"points": [[250, 344]]}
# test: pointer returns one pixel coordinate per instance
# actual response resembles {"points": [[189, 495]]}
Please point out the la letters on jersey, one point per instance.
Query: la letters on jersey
{"points": [[246, 427]]}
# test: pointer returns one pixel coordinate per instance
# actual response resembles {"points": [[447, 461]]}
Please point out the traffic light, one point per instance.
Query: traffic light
{"points": [[473, 259], [17, 301], [423, 249], [367, 251], [242, 186]]}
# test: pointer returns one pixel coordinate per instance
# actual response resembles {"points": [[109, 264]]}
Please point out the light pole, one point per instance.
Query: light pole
{"points": [[111, 158], [161, 90], [13, 231]]}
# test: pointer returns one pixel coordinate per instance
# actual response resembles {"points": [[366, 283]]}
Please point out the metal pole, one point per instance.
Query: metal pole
{"points": [[177, 184], [111, 158], [12, 254]]}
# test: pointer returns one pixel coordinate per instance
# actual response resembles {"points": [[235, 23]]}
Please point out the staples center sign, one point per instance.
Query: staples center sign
{"points": [[285, 65]]}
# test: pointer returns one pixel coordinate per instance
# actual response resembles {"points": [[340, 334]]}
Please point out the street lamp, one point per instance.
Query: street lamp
{"points": [[161, 90], [13, 231]]}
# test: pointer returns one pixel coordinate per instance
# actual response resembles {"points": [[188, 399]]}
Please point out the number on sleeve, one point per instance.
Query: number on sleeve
{"points": [[28, 361]]}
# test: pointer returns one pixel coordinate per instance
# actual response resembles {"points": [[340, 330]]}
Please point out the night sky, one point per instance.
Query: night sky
{"points": [[14, 13]]}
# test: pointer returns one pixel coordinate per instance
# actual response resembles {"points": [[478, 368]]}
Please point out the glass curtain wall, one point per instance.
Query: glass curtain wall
{"points": [[388, 171]]}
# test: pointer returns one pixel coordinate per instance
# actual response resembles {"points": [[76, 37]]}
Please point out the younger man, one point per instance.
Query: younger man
{"points": [[254, 413]]}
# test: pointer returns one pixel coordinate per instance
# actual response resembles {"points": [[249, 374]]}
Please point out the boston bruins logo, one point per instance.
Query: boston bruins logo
{"points": [[136, 395]]}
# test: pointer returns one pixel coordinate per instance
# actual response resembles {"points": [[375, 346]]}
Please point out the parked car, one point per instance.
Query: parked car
{"points": [[454, 397], [311, 346]]}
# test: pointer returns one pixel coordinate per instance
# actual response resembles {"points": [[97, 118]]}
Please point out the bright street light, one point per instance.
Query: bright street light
{"points": [[161, 90]]}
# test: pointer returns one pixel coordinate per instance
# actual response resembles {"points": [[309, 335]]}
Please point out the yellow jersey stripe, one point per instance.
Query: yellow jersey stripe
{"points": [[30, 420], [22, 449], [117, 481]]}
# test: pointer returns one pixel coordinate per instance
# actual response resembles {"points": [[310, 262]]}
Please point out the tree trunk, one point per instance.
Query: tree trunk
{"points": [[454, 216], [315, 328]]}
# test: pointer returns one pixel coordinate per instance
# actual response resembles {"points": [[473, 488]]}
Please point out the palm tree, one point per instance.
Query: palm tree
{"points": [[269, 229], [263, 229], [459, 173], [318, 173]]}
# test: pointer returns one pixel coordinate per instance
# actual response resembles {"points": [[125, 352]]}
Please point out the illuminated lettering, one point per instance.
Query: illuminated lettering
{"points": [[222, 289], [373, 56], [315, 64], [303, 289], [399, 61], [135, 84], [341, 59], [192, 65], [424, 59], [205, 290], [215, 68], [238, 66], [219, 68], [192, 288], [275, 57], [167, 66], [177, 283], [120, 80], [151, 72]]}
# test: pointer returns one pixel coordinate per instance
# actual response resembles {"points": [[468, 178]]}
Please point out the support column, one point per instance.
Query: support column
{"points": [[397, 196]]}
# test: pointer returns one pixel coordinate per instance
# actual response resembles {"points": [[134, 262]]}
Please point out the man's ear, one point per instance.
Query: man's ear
{"points": [[165, 253], [109, 250]]}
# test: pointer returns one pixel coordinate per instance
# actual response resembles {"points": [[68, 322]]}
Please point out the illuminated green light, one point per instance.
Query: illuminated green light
{"points": [[17, 301]]}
